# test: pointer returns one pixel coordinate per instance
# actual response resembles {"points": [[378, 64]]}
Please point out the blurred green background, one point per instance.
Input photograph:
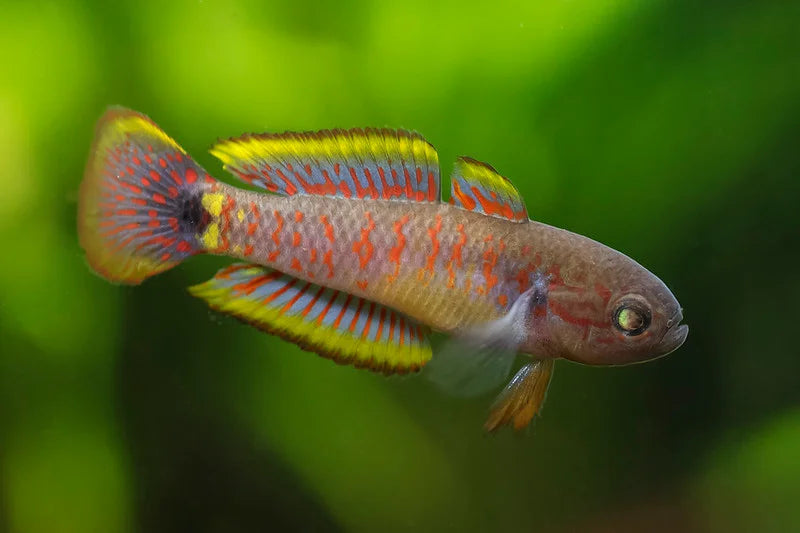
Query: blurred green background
{"points": [[669, 130]]}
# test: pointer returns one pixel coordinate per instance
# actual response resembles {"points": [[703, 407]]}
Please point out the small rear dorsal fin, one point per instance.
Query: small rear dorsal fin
{"points": [[476, 186], [372, 163]]}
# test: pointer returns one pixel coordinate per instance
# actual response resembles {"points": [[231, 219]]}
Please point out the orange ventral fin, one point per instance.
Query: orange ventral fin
{"points": [[331, 323], [523, 397], [358, 163], [476, 186]]}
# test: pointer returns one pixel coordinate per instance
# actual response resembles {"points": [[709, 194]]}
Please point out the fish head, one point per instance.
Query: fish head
{"points": [[611, 311]]}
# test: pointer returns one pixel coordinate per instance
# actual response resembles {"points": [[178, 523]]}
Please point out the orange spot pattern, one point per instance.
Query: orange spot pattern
{"points": [[364, 248], [396, 251]]}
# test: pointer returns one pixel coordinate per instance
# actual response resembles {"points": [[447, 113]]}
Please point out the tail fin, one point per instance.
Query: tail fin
{"points": [[139, 209]]}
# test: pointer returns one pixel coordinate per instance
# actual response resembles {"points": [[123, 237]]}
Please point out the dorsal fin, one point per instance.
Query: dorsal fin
{"points": [[476, 186], [372, 163]]}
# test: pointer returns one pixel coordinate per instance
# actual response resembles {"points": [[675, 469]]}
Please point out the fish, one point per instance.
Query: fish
{"points": [[344, 246]]}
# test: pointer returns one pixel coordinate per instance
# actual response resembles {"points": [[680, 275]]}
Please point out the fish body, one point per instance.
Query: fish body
{"points": [[349, 252]]}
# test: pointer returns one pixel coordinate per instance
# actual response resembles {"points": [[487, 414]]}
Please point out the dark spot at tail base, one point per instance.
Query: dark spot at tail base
{"points": [[193, 216]]}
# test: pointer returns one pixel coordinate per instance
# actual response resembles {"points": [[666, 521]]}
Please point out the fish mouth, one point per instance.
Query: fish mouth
{"points": [[675, 335]]}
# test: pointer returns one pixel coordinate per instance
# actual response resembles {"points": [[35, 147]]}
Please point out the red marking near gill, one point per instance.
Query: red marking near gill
{"points": [[248, 250], [254, 209], [502, 300], [562, 312], [362, 284], [327, 308], [328, 228], [364, 248], [273, 255], [327, 261], [252, 227], [294, 299], [396, 251], [276, 234], [464, 199], [603, 291], [455, 258], [356, 316], [296, 239], [313, 256], [433, 233], [526, 250], [298, 216], [523, 277], [555, 275], [296, 265]]}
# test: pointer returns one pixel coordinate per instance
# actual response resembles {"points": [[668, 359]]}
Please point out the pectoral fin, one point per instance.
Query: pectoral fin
{"points": [[479, 359], [523, 397]]}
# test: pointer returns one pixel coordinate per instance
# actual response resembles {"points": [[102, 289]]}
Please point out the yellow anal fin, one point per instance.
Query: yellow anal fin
{"points": [[331, 323], [476, 186], [523, 397], [372, 163]]}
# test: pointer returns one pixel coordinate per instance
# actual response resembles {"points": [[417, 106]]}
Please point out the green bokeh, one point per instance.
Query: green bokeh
{"points": [[666, 129]]}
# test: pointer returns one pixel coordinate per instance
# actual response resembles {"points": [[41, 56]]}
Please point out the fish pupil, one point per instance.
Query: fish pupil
{"points": [[631, 319]]}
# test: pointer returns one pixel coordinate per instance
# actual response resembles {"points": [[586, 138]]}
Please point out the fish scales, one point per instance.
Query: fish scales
{"points": [[411, 257]]}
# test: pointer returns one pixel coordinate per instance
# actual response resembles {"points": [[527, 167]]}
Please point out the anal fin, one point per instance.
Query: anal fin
{"points": [[331, 323]]}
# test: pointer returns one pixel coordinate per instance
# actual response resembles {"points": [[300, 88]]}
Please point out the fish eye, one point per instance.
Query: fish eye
{"points": [[632, 318]]}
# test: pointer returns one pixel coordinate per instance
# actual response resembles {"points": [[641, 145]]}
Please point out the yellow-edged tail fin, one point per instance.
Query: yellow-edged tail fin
{"points": [[139, 208]]}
